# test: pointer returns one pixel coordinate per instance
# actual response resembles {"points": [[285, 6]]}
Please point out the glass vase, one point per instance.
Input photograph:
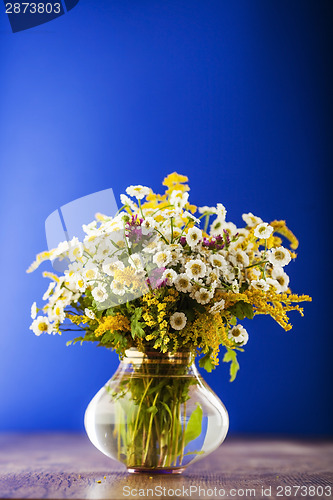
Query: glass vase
{"points": [[156, 414]]}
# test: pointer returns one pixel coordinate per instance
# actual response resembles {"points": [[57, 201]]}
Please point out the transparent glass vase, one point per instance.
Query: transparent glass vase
{"points": [[156, 414]]}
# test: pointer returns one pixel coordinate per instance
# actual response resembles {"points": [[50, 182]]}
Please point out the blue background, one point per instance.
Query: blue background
{"points": [[234, 94]]}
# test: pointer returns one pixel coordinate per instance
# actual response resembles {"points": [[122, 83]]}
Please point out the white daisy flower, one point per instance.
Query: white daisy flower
{"points": [[80, 282], [191, 216], [110, 266], [90, 314], [170, 275], [217, 260], [281, 277], [125, 200], [207, 210], [176, 251], [260, 285], [104, 249], [279, 256], [148, 224], [228, 274], [41, 325], [263, 231], [203, 296], [193, 236], [195, 269], [75, 251], [221, 211], [61, 249], [136, 261], [152, 247], [216, 227], [74, 267], [117, 287], [178, 320], [162, 258], [138, 191], [183, 283], [231, 228], [169, 213], [99, 293], [88, 228], [273, 284], [239, 258], [239, 335], [57, 312], [251, 220], [49, 290], [90, 272], [179, 199], [66, 297], [147, 212], [241, 235], [213, 277], [90, 244], [217, 307], [235, 286], [34, 310], [176, 233]]}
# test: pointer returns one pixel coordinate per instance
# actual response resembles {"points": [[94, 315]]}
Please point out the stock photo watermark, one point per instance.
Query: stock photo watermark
{"points": [[194, 491], [24, 15]]}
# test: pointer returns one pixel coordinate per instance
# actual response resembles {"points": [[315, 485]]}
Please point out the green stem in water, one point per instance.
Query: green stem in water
{"points": [[135, 430], [183, 436], [149, 429]]}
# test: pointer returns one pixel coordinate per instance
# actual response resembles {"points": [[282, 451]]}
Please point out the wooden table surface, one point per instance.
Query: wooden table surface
{"points": [[68, 466]]}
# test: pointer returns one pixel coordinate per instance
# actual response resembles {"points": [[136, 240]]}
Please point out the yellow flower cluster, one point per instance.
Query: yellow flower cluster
{"points": [[113, 323], [207, 331], [76, 319], [155, 314], [176, 182], [281, 228], [173, 182], [275, 304], [129, 277]]}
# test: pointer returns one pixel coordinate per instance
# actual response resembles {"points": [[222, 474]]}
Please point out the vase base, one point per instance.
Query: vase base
{"points": [[157, 470]]}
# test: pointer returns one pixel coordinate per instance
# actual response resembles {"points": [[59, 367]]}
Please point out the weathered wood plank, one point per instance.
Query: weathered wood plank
{"points": [[67, 466]]}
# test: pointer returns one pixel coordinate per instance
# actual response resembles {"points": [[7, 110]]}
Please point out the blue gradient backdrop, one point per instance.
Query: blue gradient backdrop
{"points": [[234, 94]]}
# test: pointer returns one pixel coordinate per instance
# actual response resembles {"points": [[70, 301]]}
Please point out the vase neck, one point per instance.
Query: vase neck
{"points": [[159, 364], [137, 357]]}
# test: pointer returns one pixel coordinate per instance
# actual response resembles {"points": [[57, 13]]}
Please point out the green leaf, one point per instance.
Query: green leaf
{"points": [[242, 310], [188, 306], [206, 362], [194, 425], [136, 325], [167, 409], [194, 453], [231, 356], [130, 307], [233, 321], [111, 311], [152, 409]]}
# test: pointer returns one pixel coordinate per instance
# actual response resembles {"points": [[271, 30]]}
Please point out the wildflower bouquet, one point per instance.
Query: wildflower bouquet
{"points": [[150, 278]]}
